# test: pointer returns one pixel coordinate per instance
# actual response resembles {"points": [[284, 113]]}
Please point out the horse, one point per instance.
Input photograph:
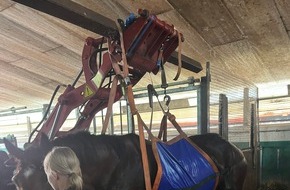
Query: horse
{"points": [[111, 162], [6, 172]]}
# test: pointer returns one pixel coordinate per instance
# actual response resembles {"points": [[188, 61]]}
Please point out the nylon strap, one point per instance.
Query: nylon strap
{"points": [[179, 57], [141, 123], [163, 129], [110, 104], [130, 97]]}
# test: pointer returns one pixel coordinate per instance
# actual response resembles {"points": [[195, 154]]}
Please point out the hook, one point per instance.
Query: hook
{"points": [[167, 100]]}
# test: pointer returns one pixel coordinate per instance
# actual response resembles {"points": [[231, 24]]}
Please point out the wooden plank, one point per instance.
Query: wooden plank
{"points": [[74, 13], [283, 7], [17, 83], [210, 19], [69, 59], [4, 4], [9, 98], [45, 71], [19, 77], [25, 94], [44, 26], [16, 94], [154, 6], [31, 54], [99, 6], [25, 36], [264, 29], [242, 60], [8, 56]]}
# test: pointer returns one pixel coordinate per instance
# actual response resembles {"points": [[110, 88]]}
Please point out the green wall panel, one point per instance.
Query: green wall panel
{"points": [[275, 161]]}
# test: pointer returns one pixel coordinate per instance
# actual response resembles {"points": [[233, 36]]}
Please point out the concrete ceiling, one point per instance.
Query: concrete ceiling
{"points": [[245, 40]]}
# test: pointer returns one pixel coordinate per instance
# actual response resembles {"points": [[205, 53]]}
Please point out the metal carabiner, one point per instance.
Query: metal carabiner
{"points": [[167, 100]]}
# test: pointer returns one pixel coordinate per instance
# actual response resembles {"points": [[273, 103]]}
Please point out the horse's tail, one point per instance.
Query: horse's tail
{"points": [[235, 176]]}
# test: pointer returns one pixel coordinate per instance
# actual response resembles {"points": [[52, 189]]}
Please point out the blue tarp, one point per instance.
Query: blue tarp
{"points": [[184, 167]]}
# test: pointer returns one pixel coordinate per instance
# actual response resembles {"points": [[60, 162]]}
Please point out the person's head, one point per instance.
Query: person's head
{"points": [[62, 168]]}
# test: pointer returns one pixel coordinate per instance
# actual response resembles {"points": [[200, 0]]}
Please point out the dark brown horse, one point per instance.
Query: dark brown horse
{"points": [[114, 162], [6, 172]]}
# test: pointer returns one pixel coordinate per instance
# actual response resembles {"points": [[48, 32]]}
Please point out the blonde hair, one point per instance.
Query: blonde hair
{"points": [[64, 161]]}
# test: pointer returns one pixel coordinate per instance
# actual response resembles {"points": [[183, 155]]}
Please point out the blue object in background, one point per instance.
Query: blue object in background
{"points": [[130, 19]]}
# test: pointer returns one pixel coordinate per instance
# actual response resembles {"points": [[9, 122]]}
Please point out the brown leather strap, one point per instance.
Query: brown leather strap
{"points": [[124, 58], [142, 142], [179, 57], [159, 166], [163, 129], [130, 97], [110, 104], [172, 118], [119, 76]]}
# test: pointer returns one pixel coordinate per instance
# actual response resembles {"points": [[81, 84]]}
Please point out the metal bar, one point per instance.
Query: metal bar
{"points": [[121, 118], [223, 116], [51, 134], [187, 62], [83, 17], [274, 97], [13, 109], [255, 140], [74, 13], [168, 91], [190, 80], [203, 103], [246, 109], [95, 125]]}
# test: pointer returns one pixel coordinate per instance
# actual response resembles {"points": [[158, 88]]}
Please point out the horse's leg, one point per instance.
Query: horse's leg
{"points": [[236, 175]]}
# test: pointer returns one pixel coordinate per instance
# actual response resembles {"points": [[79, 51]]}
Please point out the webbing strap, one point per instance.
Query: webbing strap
{"points": [[134, 111], [130, 97], [141, 123], [179, 57], [110, 104], [163, 129]]}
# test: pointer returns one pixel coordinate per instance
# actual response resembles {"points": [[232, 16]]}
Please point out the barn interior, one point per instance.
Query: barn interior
{"points": [[242, 45]]}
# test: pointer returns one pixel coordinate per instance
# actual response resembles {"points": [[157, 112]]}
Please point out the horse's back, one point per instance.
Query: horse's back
{"points": [[110, 161], [214, 144], [228, 158]]}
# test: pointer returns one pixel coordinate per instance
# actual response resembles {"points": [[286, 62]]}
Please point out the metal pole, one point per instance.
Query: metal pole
{"points": [[246, 109], [129, 119], [223, 116], [203, 103], [121, 119], [95, 125], [112, 123]]}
